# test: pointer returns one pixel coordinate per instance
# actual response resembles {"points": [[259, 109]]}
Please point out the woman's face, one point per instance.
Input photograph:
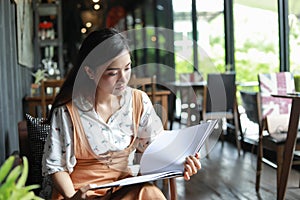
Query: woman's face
{"points": [[115, 77]]}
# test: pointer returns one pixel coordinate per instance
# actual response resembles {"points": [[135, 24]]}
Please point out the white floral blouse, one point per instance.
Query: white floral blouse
{"points": [[111, 136]]}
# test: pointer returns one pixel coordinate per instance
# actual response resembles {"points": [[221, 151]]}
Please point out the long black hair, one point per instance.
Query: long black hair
{"points": [[98, 48]]}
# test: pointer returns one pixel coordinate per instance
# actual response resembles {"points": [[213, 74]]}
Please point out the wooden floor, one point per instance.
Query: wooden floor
{"points": [[225, 175]]}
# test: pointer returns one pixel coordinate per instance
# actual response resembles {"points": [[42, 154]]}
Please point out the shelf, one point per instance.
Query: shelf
{"points": [[45, 9], [49, 42], [48, 12]]}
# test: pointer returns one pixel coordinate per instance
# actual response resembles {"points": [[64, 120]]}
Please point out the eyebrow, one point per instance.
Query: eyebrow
{"points": [[116, 68]]}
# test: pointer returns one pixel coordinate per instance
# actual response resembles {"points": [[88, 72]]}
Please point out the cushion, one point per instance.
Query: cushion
{"points": [[278, 123], [275, 83], [37, 135]]}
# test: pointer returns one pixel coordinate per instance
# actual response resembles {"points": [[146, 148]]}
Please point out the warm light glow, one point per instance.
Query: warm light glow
{"points": [[153, 38], [96, 1], [83, 30], [97, 6], [88, 24]]}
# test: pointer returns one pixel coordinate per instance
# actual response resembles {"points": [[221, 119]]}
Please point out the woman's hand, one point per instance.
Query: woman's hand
{"points": [[81, 193], [191, 166]]}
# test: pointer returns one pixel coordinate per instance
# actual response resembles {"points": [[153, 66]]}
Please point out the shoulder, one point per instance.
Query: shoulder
{"points": [[60, 112], [61, 109], [140, 95], [138, 92]]}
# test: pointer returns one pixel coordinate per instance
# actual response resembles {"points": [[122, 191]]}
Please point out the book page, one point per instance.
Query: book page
{"points": [[140, 179], [169, 150], [165, 156]]}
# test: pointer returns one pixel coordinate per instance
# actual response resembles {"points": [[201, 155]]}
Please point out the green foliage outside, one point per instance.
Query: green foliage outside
{"points": [[256, 53], [246, 69], [12, 181], [183, 66]]}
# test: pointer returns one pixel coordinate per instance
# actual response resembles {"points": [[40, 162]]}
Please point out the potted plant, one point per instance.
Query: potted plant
{"points": [[13, 179], [39, 75]]}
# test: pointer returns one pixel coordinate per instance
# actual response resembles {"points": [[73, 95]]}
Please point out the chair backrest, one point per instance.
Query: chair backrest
{"points": [[250, 102], [147, 84], [49, 89], [275, 83], [220, 93]]}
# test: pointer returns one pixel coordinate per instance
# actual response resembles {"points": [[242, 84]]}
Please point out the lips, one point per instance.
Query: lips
{"points": [[122, 87]]}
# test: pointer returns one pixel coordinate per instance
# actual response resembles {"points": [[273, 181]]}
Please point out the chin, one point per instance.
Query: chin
{"points": [[118, 92]]}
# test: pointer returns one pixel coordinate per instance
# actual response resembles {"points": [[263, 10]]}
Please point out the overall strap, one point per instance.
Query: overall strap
{"points": [[137, 108]]}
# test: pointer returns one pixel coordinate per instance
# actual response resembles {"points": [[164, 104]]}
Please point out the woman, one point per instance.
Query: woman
{"points": [[98, 122]]}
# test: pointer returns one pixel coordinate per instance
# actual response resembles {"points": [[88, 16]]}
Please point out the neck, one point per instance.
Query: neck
{"points": [[106, 105], [104, 99]]}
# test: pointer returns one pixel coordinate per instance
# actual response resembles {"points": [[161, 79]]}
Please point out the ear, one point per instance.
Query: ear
{"points": [[89, 72]]}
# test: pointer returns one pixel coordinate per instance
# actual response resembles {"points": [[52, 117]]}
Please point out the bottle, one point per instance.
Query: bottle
{"points": [[297, 80], [46, 30]]}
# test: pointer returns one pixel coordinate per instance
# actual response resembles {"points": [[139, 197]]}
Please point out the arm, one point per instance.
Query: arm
{"points": [[58, 158], [63, 184]]}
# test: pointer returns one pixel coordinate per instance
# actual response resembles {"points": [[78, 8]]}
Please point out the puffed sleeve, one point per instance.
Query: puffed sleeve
{"points": [[150, 125], [58, 150]]}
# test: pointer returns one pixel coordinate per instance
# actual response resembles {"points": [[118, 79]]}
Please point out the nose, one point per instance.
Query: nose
{"points": [[123, 77]]}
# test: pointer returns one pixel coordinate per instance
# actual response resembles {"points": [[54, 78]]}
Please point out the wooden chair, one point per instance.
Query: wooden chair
{"points": [[269, 109], [148, 84], [219, 102], [49, 89]]}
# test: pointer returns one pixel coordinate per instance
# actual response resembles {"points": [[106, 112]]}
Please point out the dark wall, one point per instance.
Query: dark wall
{"points": [[14, 81]]}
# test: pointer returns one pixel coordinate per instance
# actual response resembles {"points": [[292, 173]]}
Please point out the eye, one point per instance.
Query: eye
{"points": [[113, 73]]}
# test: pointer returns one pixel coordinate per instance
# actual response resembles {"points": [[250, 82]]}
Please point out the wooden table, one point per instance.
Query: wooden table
{"points": [[187, 84], [289, 146], [32, 104]]}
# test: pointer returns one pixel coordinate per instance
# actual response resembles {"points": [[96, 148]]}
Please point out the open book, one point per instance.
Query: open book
{"points": [[165, 156]]}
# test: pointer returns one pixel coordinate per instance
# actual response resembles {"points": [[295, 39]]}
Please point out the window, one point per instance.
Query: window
{"points": [[256, 38], [211, 41], [183, 45], [294, 37]]}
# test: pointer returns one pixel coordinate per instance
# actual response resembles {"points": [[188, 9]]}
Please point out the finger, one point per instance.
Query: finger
{"points": [[188, 169], [186, 176], [82, 192], [190, 161], [196, 162], [197, 155], [85, 188]]}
